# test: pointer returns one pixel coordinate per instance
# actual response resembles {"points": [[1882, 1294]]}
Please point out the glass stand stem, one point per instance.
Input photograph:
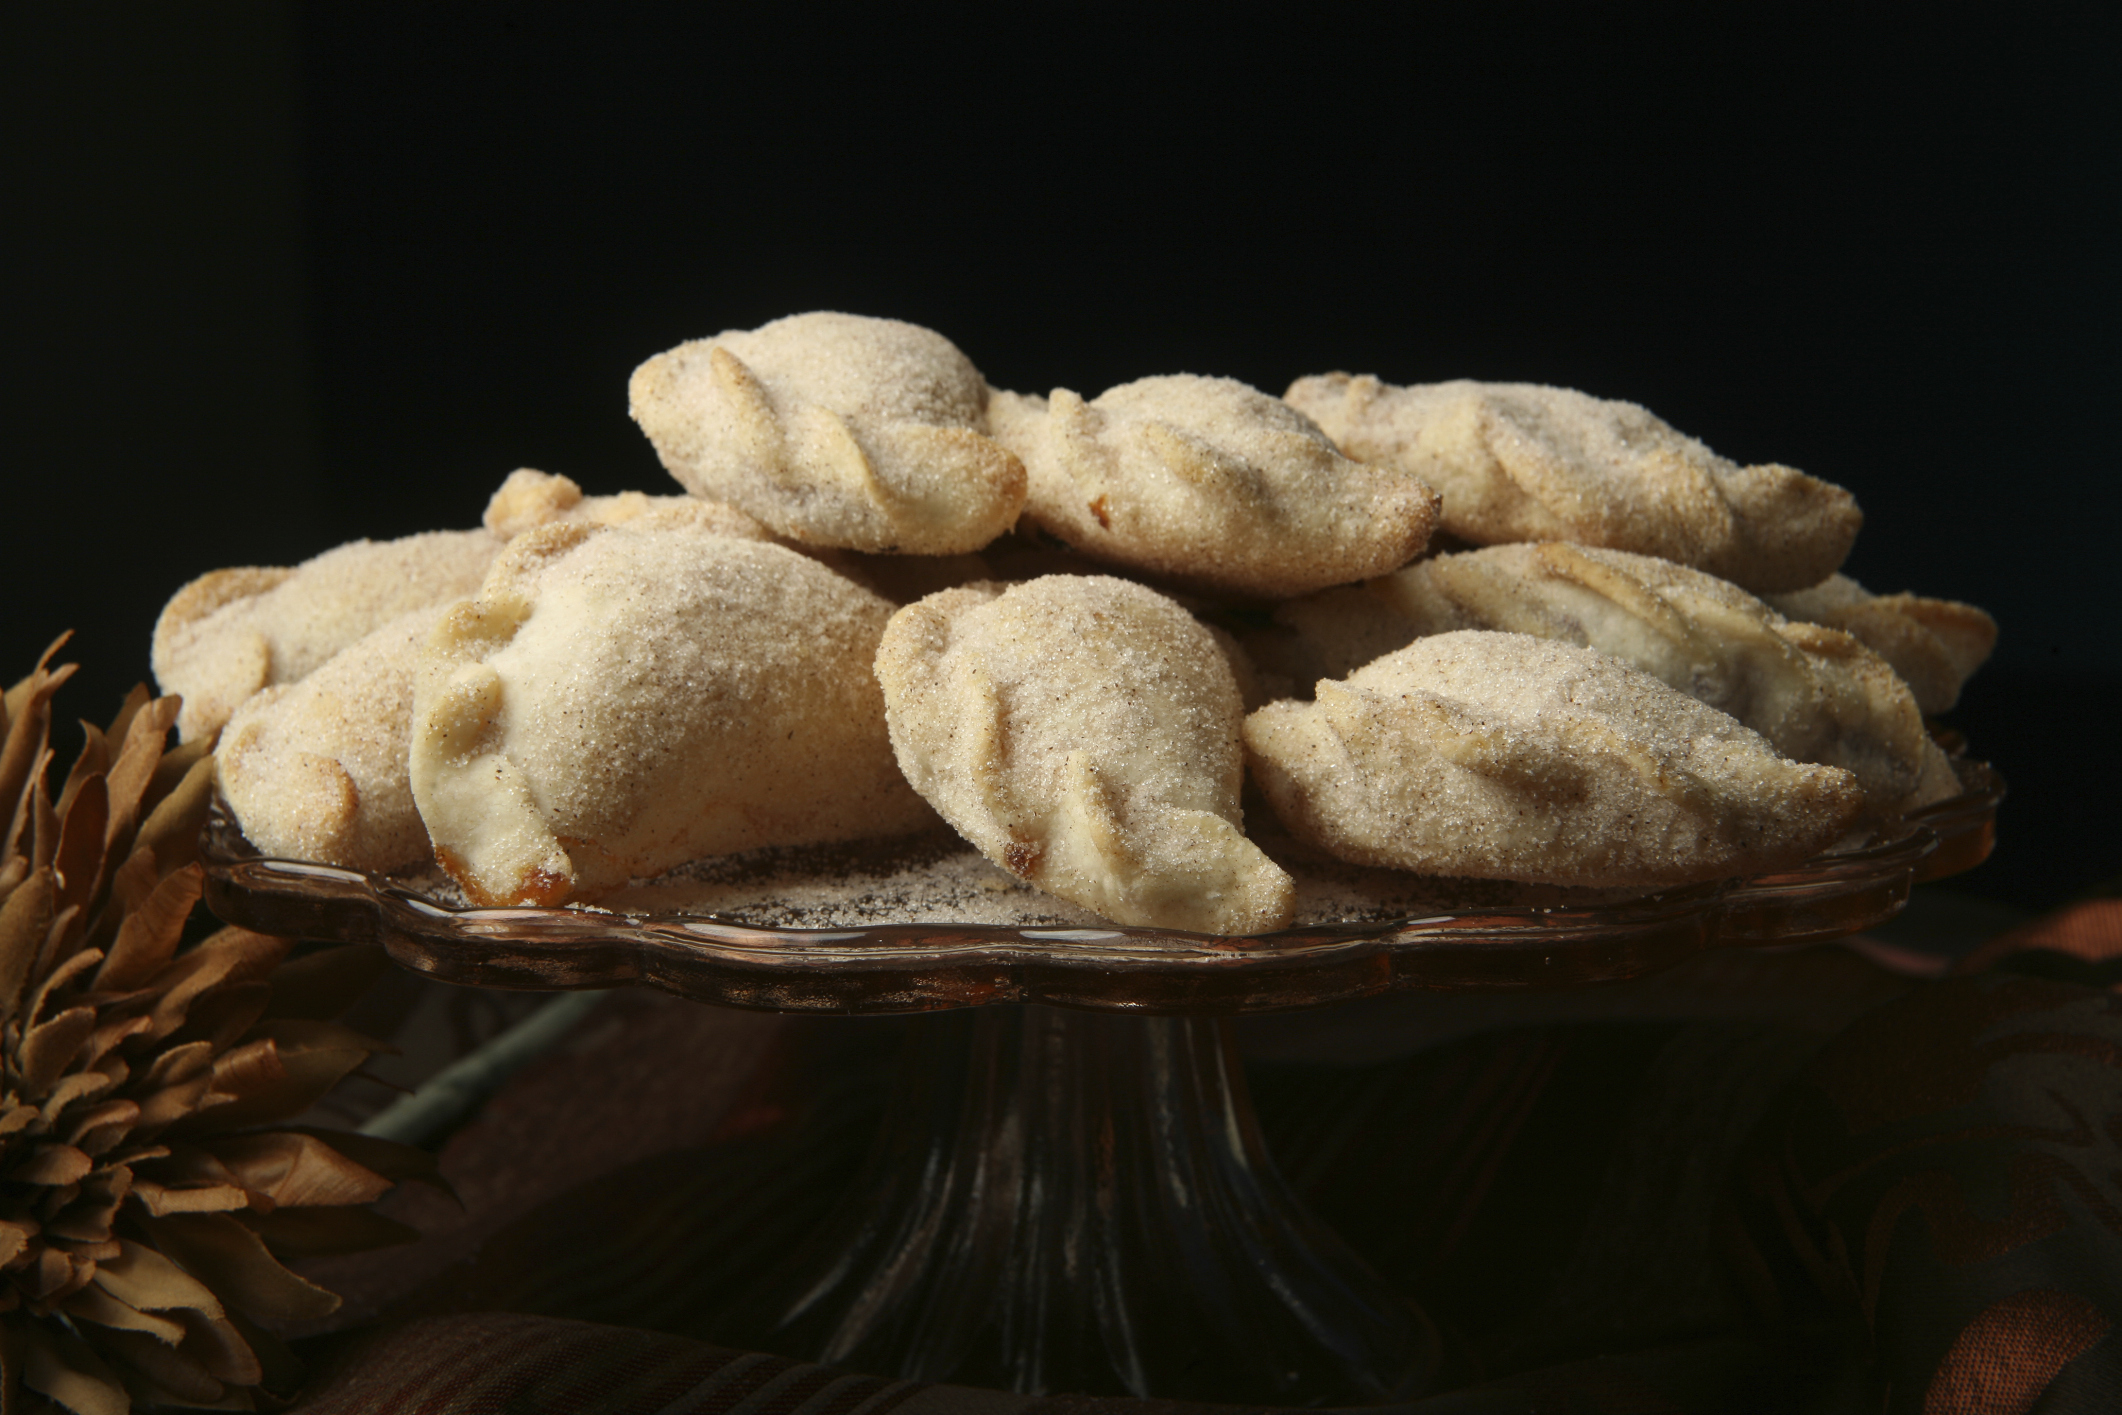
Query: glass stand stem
{"points": [[1070, 1201]]}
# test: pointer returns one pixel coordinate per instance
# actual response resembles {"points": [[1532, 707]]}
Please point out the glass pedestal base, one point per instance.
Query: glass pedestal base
{"points": [[1080, 1202]]}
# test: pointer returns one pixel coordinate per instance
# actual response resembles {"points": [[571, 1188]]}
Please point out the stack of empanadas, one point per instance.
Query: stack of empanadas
{"points": [[1070, 627]]}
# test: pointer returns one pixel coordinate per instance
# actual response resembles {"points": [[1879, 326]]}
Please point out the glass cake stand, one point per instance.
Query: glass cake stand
{"points": [[1070, 1193]]}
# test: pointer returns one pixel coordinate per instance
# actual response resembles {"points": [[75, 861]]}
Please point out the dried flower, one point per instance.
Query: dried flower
{"points": [[146, 1196]]}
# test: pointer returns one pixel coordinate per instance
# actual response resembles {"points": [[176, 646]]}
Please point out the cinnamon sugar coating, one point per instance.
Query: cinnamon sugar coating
{"points": [[1524, 462], [618, 700], [1501, 756], [531, 498], [1934, 644], [1082, 731], [835, 430], [230, 633], [1210, 483], [316, 770], [1816, 694]]}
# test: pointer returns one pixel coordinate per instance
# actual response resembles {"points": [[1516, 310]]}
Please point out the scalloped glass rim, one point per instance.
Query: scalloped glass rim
{"points": [[914, 967]]}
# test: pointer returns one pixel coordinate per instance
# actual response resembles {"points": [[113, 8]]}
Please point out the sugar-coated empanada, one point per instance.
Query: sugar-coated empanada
{"points": [[531, 498], [315, 770], [1212, 483], [1502, 756], [1935, 644], [835, 430], [1816, 694], [618, 700], [1082, 731], [1519, 462], [230, 633]]}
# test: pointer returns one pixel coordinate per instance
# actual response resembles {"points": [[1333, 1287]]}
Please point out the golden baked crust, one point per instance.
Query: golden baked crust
{"points": [[1816, 694], [231, 633], [1523, 462], [835, 430], [531, 498], [1082, 731], [1501, 756], [316, 770], [618, 700], [1211, 483], [1935, 644]]}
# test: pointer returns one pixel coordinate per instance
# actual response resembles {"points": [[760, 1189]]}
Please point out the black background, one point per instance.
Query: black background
{"points": [[280, 277]]}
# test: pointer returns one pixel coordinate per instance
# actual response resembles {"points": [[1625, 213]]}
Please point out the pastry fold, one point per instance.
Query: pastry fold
{"points": [[316, 770], [1524, 462], [835, 430], [623, 699], [1501, 756], [1934, 644], [1211, 483], [230, 633], [1082, 731], [1817, 694]]}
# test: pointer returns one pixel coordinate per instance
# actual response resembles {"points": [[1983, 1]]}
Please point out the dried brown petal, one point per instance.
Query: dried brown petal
{"points": [[176, 765], [50, 1164], [131, 883], [148, 938], [171, 830], [51, 1272], [64, 1368], [56, 945], [79, 865], [297, 1170], [93, 1304], [80, 1085], [162, 1108], [24, 920], [88, 1219], [134, 770], [395, 1162], [137, 699], [235, 1263], [162, 1363], [103, 1126], [268, 1084], [160, 1200], [58, 977], [233, 955], [179, 1063], [43, 820], [229, 1347], [97, 1051], [225, 1015], [50, 1046], [94, 761], [28, 722], [281, 1369], [143, 1278]]}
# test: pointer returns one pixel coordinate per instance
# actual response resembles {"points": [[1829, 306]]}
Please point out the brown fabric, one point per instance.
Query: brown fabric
{"points": [[2089, 932], [2003, 1360], [1960, 1147]]}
